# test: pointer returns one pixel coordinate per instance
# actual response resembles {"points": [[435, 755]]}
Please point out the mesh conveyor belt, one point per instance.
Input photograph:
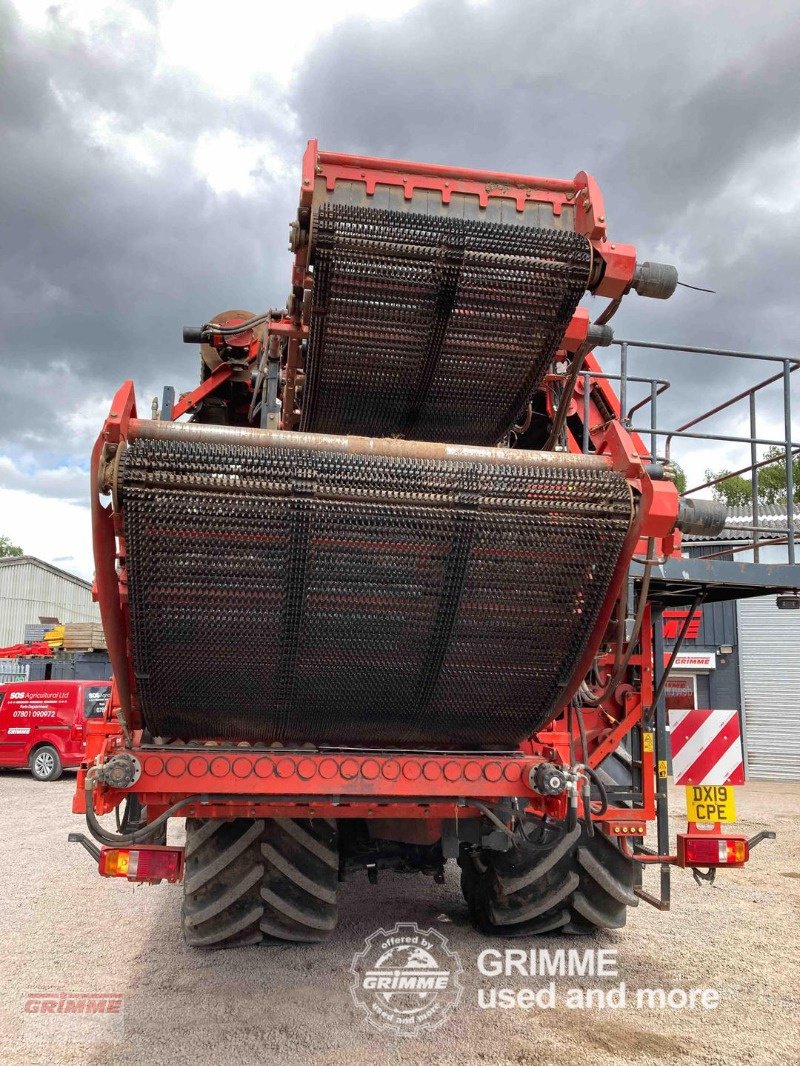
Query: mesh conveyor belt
{"points": [[431, 328], [280, 594]]}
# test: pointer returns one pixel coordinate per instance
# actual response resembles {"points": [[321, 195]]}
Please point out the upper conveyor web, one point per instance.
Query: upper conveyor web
{"points": [[433, 328]]}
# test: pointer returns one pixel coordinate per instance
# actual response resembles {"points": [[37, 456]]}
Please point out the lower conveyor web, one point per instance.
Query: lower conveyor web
{"points": [[329, 596]]}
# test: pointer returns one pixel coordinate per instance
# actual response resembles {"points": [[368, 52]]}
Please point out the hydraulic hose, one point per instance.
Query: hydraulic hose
{"points": [[589, 778], [141, 836], [241, 327], [600, 788]]}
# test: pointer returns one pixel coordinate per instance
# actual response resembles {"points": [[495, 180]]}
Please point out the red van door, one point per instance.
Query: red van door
{"points": [[91, 704], [15, 726]]}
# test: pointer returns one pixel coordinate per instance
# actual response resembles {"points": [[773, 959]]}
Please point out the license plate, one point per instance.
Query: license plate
{"points": [[710, 803]]}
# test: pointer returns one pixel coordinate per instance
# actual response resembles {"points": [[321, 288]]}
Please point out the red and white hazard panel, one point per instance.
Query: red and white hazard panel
{"points": [[706, 747]]}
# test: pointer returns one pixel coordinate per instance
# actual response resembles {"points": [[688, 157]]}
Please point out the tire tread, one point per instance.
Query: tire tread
{"points": [[581, 884], [250, 881]]}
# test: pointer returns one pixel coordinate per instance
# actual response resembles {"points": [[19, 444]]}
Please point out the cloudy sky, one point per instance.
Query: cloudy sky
{"points": [[149, 169]]}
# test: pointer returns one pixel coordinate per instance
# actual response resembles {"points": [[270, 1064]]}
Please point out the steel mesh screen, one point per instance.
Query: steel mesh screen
{"points": [[287, 595], [433, 328]]}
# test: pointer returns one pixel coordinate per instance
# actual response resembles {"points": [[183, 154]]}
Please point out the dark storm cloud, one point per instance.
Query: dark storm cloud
{"points": [[747, 107], [673, 95], [102, 260], [671, 106], [677, 108]]}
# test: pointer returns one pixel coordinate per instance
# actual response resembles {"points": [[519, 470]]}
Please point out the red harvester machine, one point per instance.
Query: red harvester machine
{"points": [[368, 590]]}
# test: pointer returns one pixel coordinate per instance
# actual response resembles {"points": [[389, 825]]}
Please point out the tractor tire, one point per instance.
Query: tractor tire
{"points": [[301, 879], [249, 881], [578, 885], [222, 905]]}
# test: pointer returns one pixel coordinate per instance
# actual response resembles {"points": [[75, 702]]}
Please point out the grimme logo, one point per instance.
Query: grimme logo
{"points": [[86, 1003], [406, 980], [73, 1017]]}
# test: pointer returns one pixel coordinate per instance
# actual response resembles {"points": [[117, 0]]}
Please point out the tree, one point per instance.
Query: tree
{"points": [[7, 548], [680, 477], [736, 490]]}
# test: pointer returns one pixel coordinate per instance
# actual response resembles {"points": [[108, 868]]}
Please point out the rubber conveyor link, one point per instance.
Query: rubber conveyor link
{"points": [[283, 593], [436, 329]]}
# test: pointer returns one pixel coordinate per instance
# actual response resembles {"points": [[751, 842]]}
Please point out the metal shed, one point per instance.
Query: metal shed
{"points": [[767, 643], [770, 664], [30, 588]]}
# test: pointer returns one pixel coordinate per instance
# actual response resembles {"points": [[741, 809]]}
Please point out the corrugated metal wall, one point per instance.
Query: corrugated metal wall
{"points": [[28, 590], [769, 649]]}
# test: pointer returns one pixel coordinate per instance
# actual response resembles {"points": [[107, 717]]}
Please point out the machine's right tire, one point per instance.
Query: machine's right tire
{"points": [[580, 884], [253, 880]]}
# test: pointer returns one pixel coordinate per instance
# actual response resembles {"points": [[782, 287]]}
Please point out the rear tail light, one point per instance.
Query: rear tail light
{"points": [[145, 863], [712, 851]]}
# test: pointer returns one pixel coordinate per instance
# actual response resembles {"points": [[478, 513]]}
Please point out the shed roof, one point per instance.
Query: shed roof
{"points": [[31, 560]]}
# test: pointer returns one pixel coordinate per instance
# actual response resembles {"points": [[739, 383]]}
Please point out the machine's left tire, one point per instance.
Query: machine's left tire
{"points": [[252, 880], [222, 905]]}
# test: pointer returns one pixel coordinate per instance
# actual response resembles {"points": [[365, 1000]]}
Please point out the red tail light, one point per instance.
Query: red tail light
{"points": [[144, 863], [712, 850]]}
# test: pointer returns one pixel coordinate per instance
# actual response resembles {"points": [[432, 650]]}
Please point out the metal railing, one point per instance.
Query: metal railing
{"points": [[13, 671], [772, 534]]}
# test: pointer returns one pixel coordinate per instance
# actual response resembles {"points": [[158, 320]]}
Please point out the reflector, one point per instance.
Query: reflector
{"points": [[736, 851], [114, 862]]}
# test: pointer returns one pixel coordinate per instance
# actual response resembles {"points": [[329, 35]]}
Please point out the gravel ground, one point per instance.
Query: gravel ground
{"points": [[67, 930]]}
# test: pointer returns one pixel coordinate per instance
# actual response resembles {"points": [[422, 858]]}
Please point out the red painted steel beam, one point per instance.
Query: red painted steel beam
{"points": [[109, 586], [280, 773], [582, 191], [327, 160]]}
